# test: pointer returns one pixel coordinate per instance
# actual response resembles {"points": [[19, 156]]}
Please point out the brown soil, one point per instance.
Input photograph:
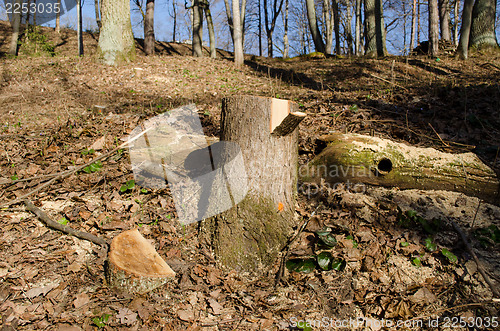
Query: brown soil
{"points": [[50, 120]]}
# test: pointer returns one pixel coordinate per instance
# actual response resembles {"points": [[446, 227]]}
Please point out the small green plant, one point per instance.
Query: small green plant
{"points": [[88, 151], [35, 43], [93, 167], [451, 257], [129, 185], [489, 236], [354, 108], [101, 321], [354, 242], [63, 221], [14, 177], [405, 244], [416, 262], [410, 219], [431, 247]]}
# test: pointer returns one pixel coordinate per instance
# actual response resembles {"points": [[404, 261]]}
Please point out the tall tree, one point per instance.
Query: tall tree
{"points": [[149, 28], [358, 28], [270, 22], [456, 4], [286, 47], [313, 26], [336, 25], [16, 25], [58, 18], [116, 41], [413, 25], [433, 28], [236, 20], [174, 16], [482, 29], [347, 27], [374, 29], [97, 13], [328, 17], [463, 45], [444, 19], [197, 40], [210, 26], [79, 32]]}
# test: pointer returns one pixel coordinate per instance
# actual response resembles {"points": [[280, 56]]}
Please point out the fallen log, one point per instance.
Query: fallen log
{"points": [[360, 159], [134, 266]]}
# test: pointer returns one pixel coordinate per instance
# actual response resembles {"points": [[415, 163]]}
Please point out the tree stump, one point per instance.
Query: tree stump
{"points": [[134, 266], [252, 233], [359, 159]]}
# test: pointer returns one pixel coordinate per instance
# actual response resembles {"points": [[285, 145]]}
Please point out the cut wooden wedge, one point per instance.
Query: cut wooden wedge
{"points": [[134, 266]]}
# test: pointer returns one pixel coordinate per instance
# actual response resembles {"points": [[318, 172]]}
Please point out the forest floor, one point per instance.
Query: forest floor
{"points": [[62, 111]]}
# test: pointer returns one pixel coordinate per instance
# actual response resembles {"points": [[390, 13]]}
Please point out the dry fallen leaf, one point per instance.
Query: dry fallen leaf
{"points": [[185, 315], [126, 316], [81, 300]]}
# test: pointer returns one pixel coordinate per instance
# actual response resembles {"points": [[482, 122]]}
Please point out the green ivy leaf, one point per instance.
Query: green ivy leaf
{"points": [[306, 266], [324, 259], [63, 221], [338, 264], [451, 257], [292, 265], [123, 188], [405, 244], [329, 240], [430, 245], [130, 184], [416, 262]]}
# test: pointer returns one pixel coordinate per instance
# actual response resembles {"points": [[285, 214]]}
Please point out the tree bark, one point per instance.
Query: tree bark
{"points": [[482, 30], [433, 28], [174, 8], [16, 25], [211, 31], [463, 44], [197, 28], [79, 32], [252, 233], [358, 28], [238, 33], [375, 29], [313, 26], [97, 13], [370, 160], [149, 28], [336, 26], [116, 41], [444, 19], [348, 29], [58, 19], [286, 52], [328, 25], [413, 25], [456, 4]]}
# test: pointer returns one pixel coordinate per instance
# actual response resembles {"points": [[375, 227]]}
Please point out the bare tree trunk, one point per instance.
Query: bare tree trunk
{"points": [[197, 41], [58, 18], [358, 28], [238, 34], [149, 28], [348, 29], [260, 29], [418, 22], [174, 7], [328, 25], [97, 13], [444, 19], [463, 45], [211, 31], [433, 28], [336, 26], [482, 30], [79, 28], [413, 24], [116, 41], [375, 29], [313, 25], [456, 4], [276, 10], [16, 25], [285, 37]]}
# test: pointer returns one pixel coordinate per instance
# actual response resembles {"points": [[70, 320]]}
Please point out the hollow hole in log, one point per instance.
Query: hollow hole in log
{"points": [[384, 165]]}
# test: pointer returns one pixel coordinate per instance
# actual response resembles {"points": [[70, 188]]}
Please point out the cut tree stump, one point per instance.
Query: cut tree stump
{"points": [[252, 233], [355, 158], [134, 266]]}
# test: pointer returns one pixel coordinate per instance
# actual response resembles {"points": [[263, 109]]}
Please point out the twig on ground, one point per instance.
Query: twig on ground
{"points": [[63, 228], [69, 172], [388, 81], [437, 134], [457, 228], [290, 243]]}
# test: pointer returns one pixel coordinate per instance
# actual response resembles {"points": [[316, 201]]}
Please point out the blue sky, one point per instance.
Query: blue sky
{"points": [[164, 24]]}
